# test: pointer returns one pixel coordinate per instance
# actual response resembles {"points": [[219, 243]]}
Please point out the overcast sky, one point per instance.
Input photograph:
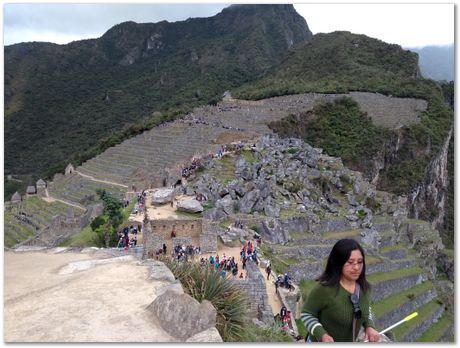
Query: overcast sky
{"points": [[409, 25]]}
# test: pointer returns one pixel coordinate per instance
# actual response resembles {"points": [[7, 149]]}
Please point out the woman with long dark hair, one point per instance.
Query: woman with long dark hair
{"points": [[339, 304]]}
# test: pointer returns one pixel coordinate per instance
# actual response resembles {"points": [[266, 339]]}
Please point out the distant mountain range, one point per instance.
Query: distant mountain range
{"points": [[436, 62], [68, 102]]}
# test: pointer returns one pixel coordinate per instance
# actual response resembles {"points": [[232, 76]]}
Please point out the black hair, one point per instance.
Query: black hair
{"points": [[340, 254]]}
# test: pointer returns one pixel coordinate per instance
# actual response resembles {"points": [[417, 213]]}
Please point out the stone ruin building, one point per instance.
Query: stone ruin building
{"points": [[196, 232]]}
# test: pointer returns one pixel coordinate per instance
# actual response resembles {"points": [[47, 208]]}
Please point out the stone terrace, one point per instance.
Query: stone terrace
{"points": [[176, 142], [25, 219]]}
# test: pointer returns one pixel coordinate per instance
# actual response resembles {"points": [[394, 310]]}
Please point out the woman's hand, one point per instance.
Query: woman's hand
{"points": [[326, 338], [372, 335]]}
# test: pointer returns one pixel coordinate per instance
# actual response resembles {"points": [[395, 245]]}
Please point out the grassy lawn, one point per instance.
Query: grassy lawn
{"points": [[85, 237], [305, 287], [393, 247], [248, 156], [423, 314], [186, 215], [401, 273], [435, 332], [416, 222], [371, 260], [279, 265], [340, 235], [82, 239]]}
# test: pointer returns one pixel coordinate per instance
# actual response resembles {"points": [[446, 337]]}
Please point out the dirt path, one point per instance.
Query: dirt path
{"points": [[103, 304], [99, 180], [51, 199]]}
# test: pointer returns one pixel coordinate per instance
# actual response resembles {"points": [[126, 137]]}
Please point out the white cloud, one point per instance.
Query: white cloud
{"points": [[408, 25]]}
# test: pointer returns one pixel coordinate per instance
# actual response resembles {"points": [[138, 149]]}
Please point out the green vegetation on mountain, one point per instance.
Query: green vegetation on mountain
{"points": [[342, 130], [342, 62], [70, 102]]}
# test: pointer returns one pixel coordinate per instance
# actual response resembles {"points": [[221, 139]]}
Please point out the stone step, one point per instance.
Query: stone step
{"points": [[428, 314], [389, 283], [387, 238], [388, 265], [318, 252], [394, 252], [393, 308]]}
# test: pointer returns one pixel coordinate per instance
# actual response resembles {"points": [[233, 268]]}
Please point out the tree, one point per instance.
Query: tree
{"points": [[113, 209]]}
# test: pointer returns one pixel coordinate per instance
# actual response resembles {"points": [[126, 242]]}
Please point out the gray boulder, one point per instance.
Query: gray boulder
{"points": [[272, 211], [226, 204], [176, 287], [182, 316], [371, 237], [190, 206], [214, 214], [273, 232], [209, 335], [159, 271], [240, 165], [162, 196], [248, 201]]}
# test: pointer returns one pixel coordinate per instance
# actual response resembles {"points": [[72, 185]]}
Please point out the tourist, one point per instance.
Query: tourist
{"points": [[268, 270], [134, 240], [164, 249], [338, 306]]}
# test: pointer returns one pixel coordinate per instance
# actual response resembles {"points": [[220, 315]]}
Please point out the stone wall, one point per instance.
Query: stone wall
{"points": [[208, 242], [254, 287], [405, 309], [387, 288], [183, 228], [188, 232]]}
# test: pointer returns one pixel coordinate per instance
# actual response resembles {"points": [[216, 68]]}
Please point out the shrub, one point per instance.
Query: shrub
{"points": [[98, 221], [228, 299]]}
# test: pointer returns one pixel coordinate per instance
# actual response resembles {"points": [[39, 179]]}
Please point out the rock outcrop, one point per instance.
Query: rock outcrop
{"points": [[182, 316]]}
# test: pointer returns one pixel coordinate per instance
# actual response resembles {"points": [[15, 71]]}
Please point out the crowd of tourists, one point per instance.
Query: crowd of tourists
{"points": [[184, 252], [223, 265]]}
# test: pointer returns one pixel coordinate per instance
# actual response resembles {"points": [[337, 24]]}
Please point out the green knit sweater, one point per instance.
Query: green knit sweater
{"points": [[330, 311]]}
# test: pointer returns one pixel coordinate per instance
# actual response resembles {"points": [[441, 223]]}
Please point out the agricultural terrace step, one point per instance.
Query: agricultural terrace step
{"points": [[441, 331], [388, 283], [396, 254], [17, 232], [383, 226], [107, 171], [389, 265], [318, 252], [339, 225], [387, 238], [394, 308], [413, 329]]}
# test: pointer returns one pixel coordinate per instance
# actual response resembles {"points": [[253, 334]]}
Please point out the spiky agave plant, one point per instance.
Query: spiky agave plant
{"points": [[229, 300]]}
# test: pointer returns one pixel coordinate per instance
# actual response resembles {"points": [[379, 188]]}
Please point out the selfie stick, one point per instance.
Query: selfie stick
{"points": [[409, 317]]}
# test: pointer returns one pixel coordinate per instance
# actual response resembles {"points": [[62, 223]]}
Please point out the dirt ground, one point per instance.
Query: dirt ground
{"points": [[102, 304]]}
